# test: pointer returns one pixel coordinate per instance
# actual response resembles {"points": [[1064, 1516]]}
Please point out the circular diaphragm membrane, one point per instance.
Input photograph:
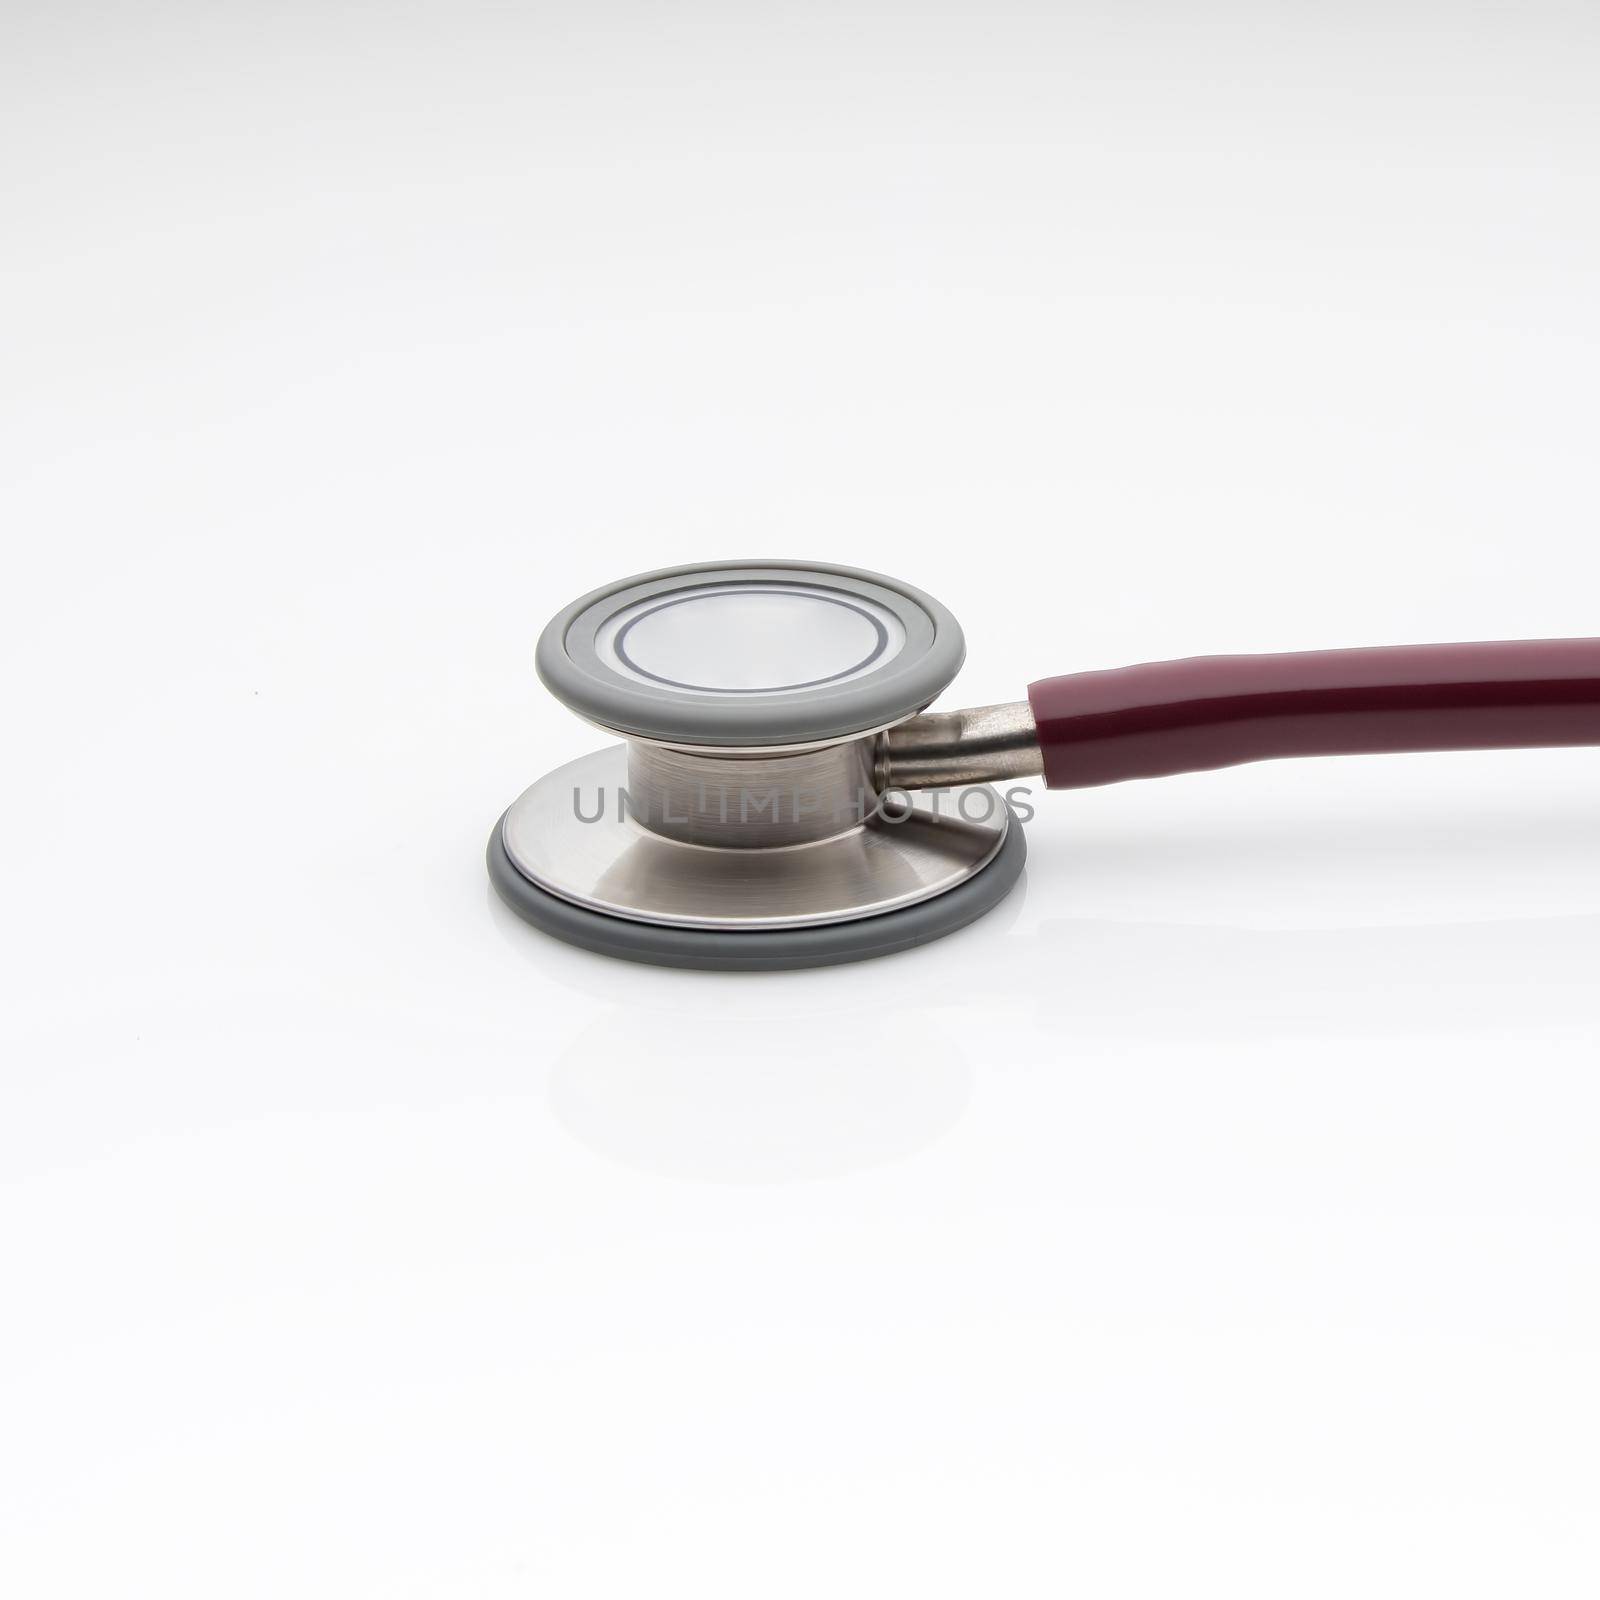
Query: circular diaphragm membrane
{"points": [[750, 654]]}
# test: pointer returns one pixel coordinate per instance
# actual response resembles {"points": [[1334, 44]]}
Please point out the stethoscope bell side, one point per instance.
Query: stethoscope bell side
{"points": [[749, 819]]}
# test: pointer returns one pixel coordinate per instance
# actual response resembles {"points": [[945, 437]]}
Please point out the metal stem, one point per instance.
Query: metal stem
{"points": [[944, 749]]}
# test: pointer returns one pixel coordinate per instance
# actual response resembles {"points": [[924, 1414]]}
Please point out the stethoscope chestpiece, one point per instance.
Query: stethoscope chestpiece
{"points": [[760, 813], [744, 823]]}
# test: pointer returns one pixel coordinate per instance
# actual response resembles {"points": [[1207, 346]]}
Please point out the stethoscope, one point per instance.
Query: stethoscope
{"points": [[783, 798]]}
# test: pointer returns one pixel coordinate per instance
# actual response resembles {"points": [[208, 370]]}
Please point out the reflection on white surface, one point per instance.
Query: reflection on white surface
{"points": [[754, 1077], [1414, 911], [1180, 982], [766, 1099]]}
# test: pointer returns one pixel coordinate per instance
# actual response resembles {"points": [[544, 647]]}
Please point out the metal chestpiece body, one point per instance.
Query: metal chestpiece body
{"points": [[772, 728]]}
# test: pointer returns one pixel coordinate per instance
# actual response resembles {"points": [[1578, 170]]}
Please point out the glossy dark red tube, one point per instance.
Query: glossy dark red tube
{"points": [[1218, 711]]}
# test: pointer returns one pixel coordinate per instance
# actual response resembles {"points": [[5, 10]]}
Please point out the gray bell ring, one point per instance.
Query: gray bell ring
{"points": [[753, 819]]}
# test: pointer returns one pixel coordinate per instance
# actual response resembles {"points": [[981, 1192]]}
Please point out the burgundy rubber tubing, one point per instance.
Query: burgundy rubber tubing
{"points": [[1218, 711]]}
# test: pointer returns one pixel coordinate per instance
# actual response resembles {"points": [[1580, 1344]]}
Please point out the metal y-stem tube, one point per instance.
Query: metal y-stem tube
{"points": [[944, 749]]}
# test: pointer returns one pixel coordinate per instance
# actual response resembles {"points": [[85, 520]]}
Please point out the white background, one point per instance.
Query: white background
{"points": [[1217, 1217]]}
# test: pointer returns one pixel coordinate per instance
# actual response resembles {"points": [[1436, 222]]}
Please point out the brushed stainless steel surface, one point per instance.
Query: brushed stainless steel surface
{"points": [[752, 802], [942, 749], [612, 863]]}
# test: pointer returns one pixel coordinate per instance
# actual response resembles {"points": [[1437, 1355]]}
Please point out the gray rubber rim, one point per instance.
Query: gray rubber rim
{"points": [[766, 950], [573, 671]]}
